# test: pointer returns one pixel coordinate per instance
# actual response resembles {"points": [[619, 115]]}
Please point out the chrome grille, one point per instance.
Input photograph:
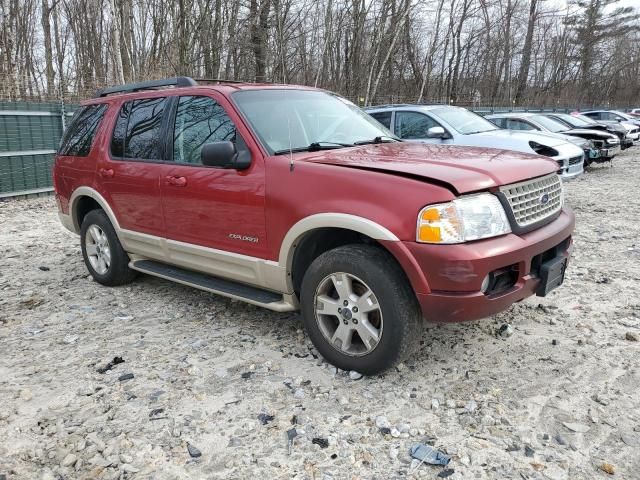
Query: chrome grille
{"points": [[526, 199], [575, 160]]}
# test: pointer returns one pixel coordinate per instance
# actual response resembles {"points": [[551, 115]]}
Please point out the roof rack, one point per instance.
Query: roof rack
{"points": [[134, 87], [217, 80]]}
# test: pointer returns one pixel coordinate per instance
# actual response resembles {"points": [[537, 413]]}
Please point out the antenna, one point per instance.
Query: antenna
{"points": [[291, 165]]}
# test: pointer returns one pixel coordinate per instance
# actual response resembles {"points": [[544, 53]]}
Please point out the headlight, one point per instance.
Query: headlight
{"points": [[467, 218], [613, 140], [543, 149]]}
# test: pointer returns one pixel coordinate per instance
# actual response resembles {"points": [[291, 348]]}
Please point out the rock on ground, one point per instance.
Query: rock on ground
{"points": [[205, 367]]}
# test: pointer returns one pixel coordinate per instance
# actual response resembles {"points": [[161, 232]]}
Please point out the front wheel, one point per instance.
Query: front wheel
{"points": [[359, 309]]}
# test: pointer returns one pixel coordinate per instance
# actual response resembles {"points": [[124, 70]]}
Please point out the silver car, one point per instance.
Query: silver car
{"points": [[458, 126], [631, 123], [597, 145]]}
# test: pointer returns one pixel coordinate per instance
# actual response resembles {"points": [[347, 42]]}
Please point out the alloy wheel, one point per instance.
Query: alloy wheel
{"points": [[98, 250], [348, 314]]}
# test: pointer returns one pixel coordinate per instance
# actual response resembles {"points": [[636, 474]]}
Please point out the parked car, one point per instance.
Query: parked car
{"points": [[613, 116], [635, 112], [629, 122], [575, 120], [598, 146], [443, 124], [293, 198]]}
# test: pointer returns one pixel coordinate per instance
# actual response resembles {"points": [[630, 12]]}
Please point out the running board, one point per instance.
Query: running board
{"points": [[227, 288]]}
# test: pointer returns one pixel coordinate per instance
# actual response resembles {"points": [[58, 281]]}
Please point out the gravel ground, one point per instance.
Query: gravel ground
{"points": [[208, 387]]}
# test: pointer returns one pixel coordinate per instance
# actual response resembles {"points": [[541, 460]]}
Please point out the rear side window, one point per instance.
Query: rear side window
{"points": [[383, 117], [137, 133], [79, 136], [199, 120]]}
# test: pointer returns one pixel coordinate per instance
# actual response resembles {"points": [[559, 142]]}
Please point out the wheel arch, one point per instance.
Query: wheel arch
{"points": [[82, 202], [316, 234]]}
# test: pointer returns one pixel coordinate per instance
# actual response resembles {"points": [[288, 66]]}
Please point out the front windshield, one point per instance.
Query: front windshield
{"points": [[624, 115], [589, 120], [549, 123], [572, 119], [464, 121], [289, 119]]}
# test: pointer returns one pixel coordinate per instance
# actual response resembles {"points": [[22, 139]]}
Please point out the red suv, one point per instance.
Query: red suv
{"points": [[293, 198]]}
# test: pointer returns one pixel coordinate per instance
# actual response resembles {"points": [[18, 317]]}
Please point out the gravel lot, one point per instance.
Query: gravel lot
{"points": [[559, 398]]}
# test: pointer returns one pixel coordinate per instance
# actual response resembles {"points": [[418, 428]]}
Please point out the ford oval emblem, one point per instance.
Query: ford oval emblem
{"points": [[544, 199]]}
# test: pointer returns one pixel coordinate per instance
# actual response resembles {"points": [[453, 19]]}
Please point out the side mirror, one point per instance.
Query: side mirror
{"points": [[224, 155], [436, 132]]}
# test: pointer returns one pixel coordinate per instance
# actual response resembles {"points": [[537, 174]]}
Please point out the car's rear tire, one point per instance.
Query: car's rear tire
{"points": [[103, 254], [359, 309]]}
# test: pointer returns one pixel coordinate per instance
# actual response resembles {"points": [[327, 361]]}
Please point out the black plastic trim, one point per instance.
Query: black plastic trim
{"points": [[150, 84], [202, 280]]}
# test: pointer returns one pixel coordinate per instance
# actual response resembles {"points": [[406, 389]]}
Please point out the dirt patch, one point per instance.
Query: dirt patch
{"points": [[205, 387]]}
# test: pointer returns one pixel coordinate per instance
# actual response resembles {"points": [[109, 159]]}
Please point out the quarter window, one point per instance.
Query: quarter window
{"points": [[137, 133], [412, 125], [80, 134], [199, 120]]}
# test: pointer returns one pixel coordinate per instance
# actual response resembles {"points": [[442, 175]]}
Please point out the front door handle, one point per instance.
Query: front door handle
{"points": [[106, 172], [176, 181]]}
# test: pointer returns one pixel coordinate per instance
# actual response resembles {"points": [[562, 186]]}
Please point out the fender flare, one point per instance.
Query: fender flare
{"points": [[329, 220], [90, 192]]}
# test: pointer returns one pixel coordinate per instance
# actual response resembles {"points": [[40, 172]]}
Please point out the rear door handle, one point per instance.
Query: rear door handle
{"points": [[106, 172], [176, 181]]}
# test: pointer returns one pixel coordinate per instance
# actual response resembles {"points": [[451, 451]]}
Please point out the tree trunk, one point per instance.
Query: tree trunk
{"points": [[48, 51], [526, 53], [259, 27]]}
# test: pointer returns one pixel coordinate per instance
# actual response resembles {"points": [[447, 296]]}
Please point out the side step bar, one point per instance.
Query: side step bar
{"points": [[227, 288]]}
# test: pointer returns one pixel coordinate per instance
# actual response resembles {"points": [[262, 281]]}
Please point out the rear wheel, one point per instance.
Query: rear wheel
{"points": [[103, 254], [359, 309]]}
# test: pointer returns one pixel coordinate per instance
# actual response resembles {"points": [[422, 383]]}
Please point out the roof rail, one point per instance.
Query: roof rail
{"points": [[134, 87], [217, 80]]}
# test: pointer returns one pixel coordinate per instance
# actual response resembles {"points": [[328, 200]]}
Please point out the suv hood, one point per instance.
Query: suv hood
{"points": [[543, 138], [463, 169]]}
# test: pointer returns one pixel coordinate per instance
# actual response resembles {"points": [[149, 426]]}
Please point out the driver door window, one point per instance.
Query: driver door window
{"points": [[515, 124], [199, 120], [413, 125]]}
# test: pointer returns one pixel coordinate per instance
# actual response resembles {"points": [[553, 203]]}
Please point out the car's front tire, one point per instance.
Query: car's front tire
{"points": [[103, 254], [359, 309]]}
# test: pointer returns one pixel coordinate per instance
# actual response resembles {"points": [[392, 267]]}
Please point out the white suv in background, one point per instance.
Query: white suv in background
{"points": [[444, 124]]}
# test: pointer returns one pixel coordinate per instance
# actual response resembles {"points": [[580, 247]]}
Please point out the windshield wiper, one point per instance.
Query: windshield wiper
{"points": [[482, 131], [378, 139], [323, 145], [315, 147]]}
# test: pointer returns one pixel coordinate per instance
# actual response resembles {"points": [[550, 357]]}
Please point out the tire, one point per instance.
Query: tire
{"points": [[103, 254], [397, 321]]}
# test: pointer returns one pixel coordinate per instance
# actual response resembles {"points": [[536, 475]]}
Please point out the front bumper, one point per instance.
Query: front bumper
{"points": [[570, 162], [455, 273], [609, 152]]}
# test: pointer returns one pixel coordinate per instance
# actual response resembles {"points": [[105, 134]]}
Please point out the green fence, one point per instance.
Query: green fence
{"points": [[29, 135]]}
